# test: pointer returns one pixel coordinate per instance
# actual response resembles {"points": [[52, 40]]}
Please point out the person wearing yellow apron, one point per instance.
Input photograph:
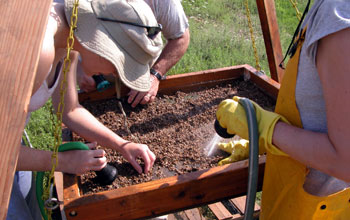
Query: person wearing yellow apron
{"points": [[307, 138]]}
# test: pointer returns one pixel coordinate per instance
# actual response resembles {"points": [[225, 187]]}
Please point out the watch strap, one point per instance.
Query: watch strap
{"points": [[157, 74]]}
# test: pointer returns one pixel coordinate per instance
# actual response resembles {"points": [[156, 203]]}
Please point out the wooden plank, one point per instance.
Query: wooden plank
{"points": [[265, 83], [59, 186], [163, 217], [177, 216], [237, 216], [220, 211], [193, 214], [181, 82], [163, 196], [193, 81], [269, 26], [70, 187], [240, 202], [60, 191], [241, 217], [172, 217], [22, 27]]}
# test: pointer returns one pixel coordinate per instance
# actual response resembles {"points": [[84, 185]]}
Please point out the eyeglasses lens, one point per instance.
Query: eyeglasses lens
{"points": [[152, 32]]}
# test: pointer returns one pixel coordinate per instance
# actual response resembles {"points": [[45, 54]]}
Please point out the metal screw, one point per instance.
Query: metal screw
{"points": [[73, 213]]}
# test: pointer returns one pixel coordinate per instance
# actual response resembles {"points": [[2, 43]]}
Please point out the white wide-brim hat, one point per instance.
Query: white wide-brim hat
{"points": [[126, 46]]}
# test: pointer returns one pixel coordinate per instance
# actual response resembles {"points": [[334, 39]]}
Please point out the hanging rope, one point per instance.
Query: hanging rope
{"points": [[60, 109], [257, 65], [294, 4]]}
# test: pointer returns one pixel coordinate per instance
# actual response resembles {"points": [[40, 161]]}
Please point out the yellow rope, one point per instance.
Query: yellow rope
{"points": [[295, 3], [257, 65], [60, 109]]}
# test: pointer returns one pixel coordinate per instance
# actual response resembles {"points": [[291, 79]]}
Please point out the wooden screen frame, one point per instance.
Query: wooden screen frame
{"points": [[175, 193]]}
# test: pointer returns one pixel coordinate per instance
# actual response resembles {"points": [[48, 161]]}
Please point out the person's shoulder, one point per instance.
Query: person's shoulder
{"points": [[57, 7], [328, 16], [338, 8], [332, 3], [172, 4], [55, 19], [57, 12]]}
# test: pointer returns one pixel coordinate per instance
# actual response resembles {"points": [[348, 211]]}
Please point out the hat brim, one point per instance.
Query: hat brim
{"points": [[93, 36]]}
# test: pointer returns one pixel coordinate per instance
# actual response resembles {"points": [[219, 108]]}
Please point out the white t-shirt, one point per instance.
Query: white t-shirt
{"points": [[43, 94], [170, 14]]}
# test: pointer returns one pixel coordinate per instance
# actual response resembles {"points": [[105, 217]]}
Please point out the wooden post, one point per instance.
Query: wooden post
{"points": [[269, 25], [22, 27]]}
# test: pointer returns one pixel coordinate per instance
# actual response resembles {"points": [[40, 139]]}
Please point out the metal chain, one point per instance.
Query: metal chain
{"points": [[60, 109], [295, 3], [257, 65]]}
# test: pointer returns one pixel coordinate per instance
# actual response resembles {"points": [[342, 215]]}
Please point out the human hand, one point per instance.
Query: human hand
{"points": [[82, 161], [239, 150], [131, 151], [231, 116], [86, 83], [143, 98]]}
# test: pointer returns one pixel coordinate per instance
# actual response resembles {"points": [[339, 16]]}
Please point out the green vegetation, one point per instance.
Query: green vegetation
{"points": [[220, 35], [40, 128]]}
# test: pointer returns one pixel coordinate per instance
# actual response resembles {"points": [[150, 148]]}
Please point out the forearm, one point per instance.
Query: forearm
{"points": [[313, 149], [172, 53], [87, 126], [33, 159]]}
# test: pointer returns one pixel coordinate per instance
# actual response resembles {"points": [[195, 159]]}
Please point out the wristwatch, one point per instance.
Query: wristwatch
{"points": [[156, 74]]}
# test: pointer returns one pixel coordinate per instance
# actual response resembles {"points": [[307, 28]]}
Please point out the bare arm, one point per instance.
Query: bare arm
{"points": [[78, 118], [42, 160], [172, 53], [329, 152], [81, 121], [74, 162]]}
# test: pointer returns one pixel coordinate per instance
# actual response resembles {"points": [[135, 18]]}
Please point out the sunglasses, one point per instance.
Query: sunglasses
{"points": [[152, 32]]}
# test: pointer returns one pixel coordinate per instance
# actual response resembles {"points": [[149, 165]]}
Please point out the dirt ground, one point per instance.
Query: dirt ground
{"points": [[177, 128]]}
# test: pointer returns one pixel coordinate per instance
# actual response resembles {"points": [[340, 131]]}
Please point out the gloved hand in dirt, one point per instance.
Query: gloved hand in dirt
{"points": [[231, 116], [239, 150]]}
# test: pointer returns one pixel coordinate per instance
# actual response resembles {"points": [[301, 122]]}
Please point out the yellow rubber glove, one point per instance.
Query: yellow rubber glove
{"points": [[231, 116], [239, 150]]}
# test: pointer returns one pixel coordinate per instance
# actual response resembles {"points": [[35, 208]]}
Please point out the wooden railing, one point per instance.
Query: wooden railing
{"points": [[22, 27]]}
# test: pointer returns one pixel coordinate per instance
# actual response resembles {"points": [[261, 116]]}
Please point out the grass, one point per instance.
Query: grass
{"points": [[40, 128], [220, 34]]}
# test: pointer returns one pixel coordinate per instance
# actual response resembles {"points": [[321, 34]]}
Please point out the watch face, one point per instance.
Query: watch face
{"points": [[156, 74]]}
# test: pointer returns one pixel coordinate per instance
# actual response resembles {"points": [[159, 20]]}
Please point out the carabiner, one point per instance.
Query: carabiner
{"points": [[51, 203]]}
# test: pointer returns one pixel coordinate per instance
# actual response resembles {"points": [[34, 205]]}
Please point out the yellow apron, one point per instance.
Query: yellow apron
{"points": [[283, 195]]}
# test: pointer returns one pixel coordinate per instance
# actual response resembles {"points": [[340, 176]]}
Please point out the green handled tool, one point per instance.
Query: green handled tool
{"points": [[106, 176]]}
